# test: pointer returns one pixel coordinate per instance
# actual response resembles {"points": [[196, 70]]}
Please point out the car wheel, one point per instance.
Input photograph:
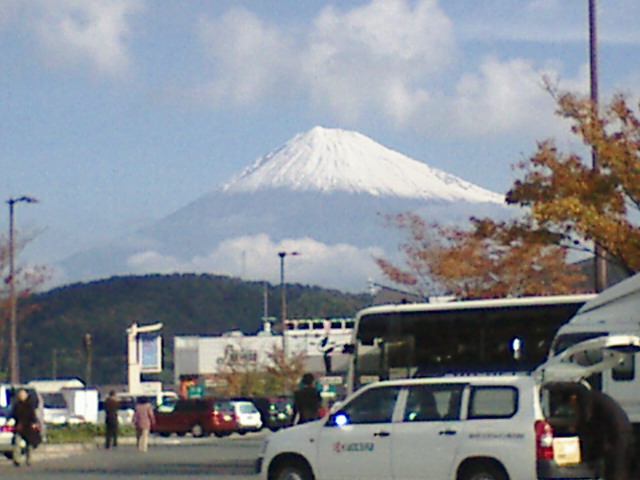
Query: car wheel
{"points": [[242, 432], [164, 434], [483, 472], [294, 471], [197, 430]]}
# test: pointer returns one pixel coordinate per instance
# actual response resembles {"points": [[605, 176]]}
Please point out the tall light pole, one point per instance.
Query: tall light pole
{"points": [[14, 366], [283, 292], [600, 258]]}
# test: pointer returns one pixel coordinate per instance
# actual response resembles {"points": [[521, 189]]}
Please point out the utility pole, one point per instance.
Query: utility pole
{"points": [[88, 350], [600, 255]]}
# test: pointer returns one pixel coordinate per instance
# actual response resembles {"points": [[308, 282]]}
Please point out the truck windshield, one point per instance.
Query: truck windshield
{"points": [[562, 342]]}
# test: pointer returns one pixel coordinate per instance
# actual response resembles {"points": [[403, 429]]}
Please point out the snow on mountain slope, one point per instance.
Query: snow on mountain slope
{"points": [[325, 193], [334, 160]]}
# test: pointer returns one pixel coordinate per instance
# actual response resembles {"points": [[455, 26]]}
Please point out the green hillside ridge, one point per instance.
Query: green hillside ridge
{"points": [[54, 323]]}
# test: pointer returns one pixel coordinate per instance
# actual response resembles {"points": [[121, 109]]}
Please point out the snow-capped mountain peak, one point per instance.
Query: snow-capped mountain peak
{"points": [[334, 160]]}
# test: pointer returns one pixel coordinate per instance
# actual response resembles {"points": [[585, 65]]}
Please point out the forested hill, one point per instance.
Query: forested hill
{"points": [[54, 323]]}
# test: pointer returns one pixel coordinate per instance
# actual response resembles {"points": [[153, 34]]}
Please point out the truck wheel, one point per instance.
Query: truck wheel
{"points": [[293, 471], [483, 472], [197, 430]]}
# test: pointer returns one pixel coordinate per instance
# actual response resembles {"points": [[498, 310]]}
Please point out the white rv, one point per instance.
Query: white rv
{"points": [[615, 311]]}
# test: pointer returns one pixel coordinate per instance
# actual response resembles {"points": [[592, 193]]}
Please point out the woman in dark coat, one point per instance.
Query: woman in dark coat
{"points": [[26, 427]]}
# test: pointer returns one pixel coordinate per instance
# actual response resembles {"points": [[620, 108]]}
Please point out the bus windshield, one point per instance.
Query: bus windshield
{"points": [[399, 341]]}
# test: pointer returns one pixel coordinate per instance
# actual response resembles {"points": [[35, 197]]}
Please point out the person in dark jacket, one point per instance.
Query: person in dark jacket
{"points": [[307, 401], [608, 436], [111, 405], [26, 427]]}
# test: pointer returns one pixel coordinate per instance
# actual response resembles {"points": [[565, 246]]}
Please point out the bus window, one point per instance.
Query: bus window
{"points": [[499, 335]]}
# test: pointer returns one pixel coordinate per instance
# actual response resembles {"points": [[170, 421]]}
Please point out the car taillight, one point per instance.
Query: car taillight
{"points": [[7, 428], [544, 440]]}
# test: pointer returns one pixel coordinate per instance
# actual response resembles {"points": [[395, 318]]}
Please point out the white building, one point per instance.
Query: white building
{"points": [[322, 340]]}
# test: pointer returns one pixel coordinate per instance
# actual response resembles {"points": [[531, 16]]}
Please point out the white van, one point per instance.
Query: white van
{"points": [[489, 427], [614, 311]]}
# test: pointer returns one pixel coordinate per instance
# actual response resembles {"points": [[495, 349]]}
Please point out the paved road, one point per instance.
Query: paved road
{"points": [[230, 458]]}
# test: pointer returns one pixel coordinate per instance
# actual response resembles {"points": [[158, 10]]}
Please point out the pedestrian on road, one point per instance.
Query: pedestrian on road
{"points": [[608, 436], [111, 405], [144, 420], [26, 435], [307, 401]]}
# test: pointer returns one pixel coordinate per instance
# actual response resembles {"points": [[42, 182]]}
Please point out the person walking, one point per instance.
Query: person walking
{"points": [[306, 401], [608, 436], [26, 435], [144, 420], [111, 405]]}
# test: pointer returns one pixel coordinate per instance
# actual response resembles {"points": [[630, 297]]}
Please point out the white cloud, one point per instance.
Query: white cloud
{"points": [[500, 98], [371, 58], [78, 31], [378, 56], [339, 266], [250, 56], [390, 59]]}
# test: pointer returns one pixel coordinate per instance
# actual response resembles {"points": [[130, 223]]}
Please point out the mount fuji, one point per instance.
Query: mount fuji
{"points": [[324, 195]]}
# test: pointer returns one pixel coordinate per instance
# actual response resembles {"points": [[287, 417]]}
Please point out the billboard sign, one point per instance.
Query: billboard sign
{"points": [[150, 352]]}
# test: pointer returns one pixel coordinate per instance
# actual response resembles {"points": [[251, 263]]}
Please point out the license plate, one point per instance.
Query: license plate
{"points": [[566, 450]]}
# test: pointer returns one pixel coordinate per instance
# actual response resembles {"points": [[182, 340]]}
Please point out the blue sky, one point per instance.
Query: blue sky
{"points": [[115, 113]]}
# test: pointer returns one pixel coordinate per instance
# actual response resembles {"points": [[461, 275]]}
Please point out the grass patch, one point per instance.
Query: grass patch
{"points": [[82, 433]]}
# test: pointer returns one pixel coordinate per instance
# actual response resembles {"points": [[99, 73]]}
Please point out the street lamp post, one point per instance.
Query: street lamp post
{"points": [[14, 366], [283, 292]]}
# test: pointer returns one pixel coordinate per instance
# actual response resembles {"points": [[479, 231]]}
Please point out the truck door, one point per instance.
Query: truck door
{"points": [[587, 358], [623, 383], [356, 443], [427, 438]]}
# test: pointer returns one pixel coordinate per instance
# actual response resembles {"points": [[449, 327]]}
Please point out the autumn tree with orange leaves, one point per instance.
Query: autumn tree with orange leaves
{"points": [[580, 204], [570, 204], [489, 260]]}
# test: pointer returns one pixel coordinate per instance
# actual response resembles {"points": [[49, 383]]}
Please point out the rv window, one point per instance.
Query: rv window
{"points": [[53, 400]]}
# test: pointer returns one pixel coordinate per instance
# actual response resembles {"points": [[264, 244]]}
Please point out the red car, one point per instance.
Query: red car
{"points": [[198, 416]]}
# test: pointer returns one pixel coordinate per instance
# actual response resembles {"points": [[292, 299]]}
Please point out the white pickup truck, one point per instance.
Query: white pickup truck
{"points": [[478, 427]]}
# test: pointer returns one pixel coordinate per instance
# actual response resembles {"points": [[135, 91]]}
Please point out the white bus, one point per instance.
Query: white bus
{"points": [[471, 336]]}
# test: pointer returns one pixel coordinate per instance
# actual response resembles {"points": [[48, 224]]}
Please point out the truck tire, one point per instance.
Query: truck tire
{"points": [[293, 471], [483, 471]]}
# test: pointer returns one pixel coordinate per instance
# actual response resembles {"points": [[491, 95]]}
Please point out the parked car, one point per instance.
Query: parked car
{"points": [[198, 416], [275, 412], [247, 416], [55, 408], [486, 426], [6, 433]]}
